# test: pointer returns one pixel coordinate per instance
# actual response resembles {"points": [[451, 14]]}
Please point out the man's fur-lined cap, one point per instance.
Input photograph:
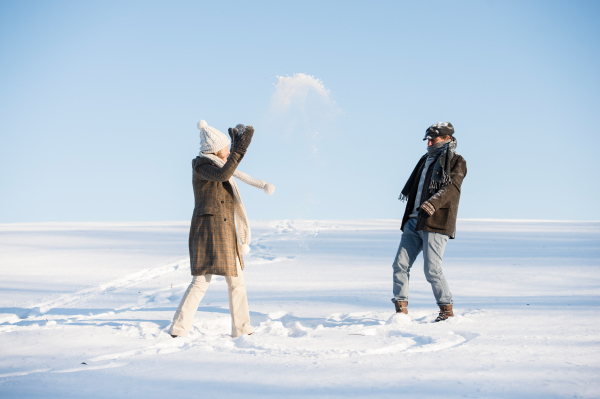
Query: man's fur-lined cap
{"points": [[439, 129]]}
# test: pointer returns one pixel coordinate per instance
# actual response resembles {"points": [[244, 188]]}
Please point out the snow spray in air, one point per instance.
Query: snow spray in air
{"points": [[302, 121]]}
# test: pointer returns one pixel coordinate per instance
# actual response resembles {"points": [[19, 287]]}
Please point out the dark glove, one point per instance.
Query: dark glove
{"points": [[241, 136], [426, 210]]}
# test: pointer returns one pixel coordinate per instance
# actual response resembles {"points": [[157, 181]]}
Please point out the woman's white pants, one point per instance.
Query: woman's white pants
{"points": [[238, 305]]}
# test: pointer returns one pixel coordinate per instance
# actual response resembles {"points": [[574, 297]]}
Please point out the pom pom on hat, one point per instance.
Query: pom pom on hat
{"points": [[245, 249], [269, 188], [202, 125]]}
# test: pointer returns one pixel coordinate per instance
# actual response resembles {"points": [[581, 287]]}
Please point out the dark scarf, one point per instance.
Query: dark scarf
{"points": [[444, 152], [441, 169]]}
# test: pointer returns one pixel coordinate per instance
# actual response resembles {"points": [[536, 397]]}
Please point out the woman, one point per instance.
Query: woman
{"points": [[213, 243]]}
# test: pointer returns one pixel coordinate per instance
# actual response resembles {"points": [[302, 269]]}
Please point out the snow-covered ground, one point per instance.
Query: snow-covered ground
{"points": [[85, 309]]}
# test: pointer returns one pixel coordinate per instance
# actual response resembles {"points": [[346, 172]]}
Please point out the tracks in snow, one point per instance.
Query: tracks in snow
{"points": [[277, 334]]}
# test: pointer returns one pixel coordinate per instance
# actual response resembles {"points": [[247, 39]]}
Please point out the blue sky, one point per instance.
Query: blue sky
{"points": [[99, 103]]}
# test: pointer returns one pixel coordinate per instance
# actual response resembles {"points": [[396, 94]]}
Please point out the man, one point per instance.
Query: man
{"points": [[432, 193]]}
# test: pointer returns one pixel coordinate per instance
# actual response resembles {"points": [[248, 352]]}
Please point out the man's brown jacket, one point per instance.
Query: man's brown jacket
{"points": [[445, 200]]}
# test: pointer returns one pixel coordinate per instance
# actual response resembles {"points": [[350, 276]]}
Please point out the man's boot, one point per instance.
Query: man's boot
{"points": [[401, 307], [445, 312]]}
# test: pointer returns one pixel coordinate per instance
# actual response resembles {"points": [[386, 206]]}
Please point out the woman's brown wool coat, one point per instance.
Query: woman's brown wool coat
{"points": [[213, 240]]}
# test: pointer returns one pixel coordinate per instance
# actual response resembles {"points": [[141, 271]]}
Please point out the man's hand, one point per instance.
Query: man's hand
{"points": [[426, 210]]}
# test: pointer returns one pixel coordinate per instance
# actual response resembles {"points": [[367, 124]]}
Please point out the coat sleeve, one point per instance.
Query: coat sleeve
{"points": [[210, 172], [452, 191]]}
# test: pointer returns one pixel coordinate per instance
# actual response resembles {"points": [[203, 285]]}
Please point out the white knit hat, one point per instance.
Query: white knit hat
{"points": [[211, 140]]}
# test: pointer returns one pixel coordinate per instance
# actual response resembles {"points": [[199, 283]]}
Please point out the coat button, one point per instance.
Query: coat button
{"points": [[225, 219], [222, 202]]}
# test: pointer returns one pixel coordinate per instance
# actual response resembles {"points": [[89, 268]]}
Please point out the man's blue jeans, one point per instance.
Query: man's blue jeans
{"points": [[411, 245]]}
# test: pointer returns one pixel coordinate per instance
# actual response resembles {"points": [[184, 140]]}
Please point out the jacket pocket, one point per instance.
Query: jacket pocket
{"points": [[439, 219]]}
